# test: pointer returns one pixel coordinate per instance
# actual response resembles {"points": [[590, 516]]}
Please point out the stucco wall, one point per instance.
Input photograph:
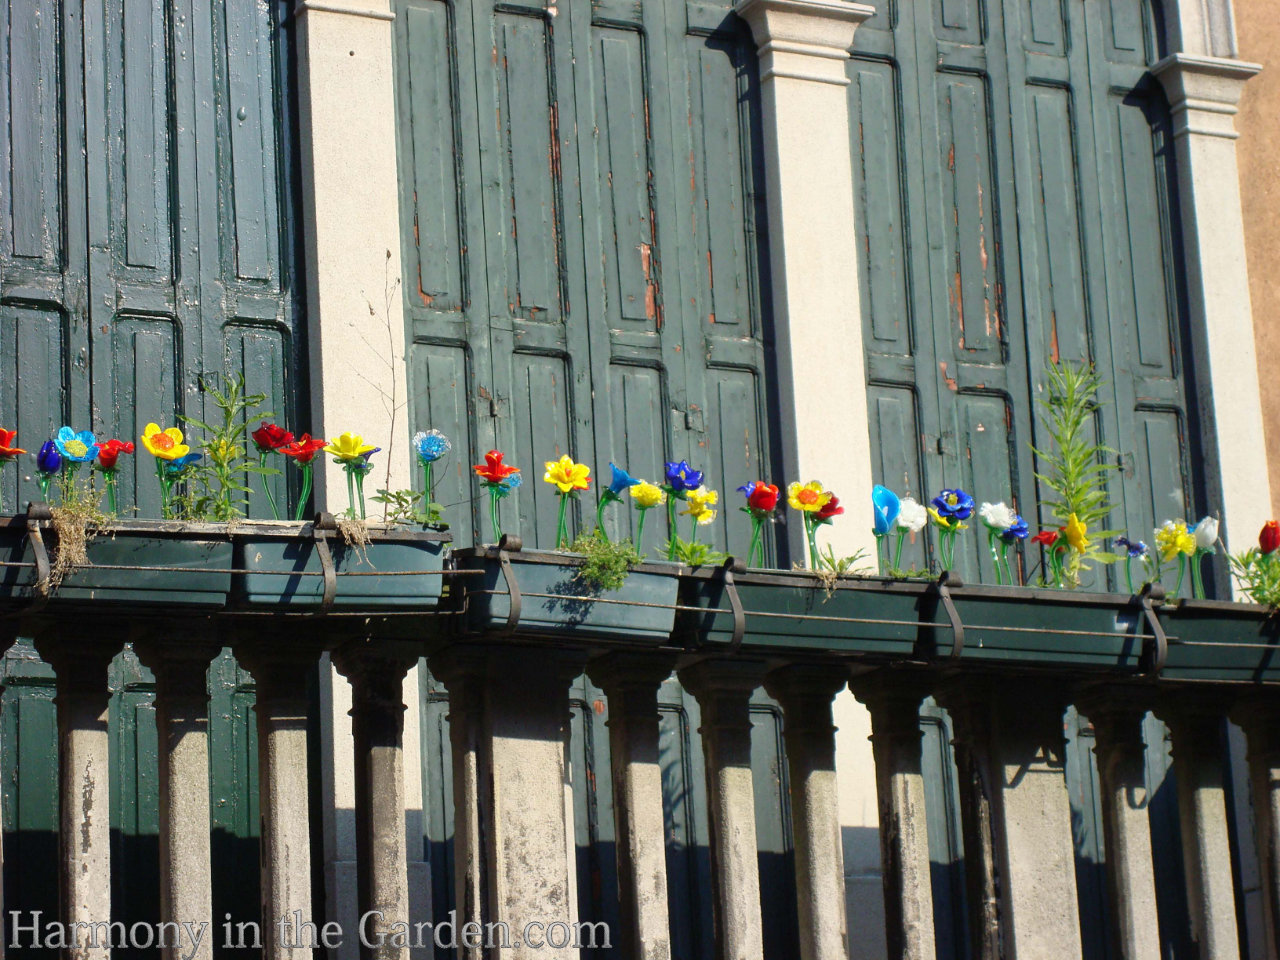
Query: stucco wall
{"points": [[1259, 155]]}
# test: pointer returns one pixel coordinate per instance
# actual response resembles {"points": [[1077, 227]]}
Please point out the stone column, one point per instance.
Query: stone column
{"points": [[281, 669], [351, 202], [1204, 92], [1117, 717], [181, 670], [1260, 719], [805, 693], [631, 682], [804, 45], [8, 634], [377, 671], [904, 838], [1198, 763], [1016, 814], [84, 783], [508, 718], [723, 689]]}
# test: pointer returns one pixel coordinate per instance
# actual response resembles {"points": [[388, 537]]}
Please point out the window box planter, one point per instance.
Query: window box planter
{"points": [[284, 565], [132, 561], [1218, 640], [794, 610], [539, 593]]}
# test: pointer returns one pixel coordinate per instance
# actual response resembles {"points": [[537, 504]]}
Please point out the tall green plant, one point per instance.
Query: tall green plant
{"points": [[1074, 467], [224, 495]]}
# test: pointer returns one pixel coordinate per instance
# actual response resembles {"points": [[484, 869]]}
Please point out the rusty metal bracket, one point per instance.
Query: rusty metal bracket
{"points": [[731, 566], [1155, 648], [322, 528], [945, 582], [513, 587], [38, 513]]}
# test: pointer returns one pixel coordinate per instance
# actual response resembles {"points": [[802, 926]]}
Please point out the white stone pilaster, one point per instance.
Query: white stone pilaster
{"points": [[351, 207], [813, 240], [1203, 96]]}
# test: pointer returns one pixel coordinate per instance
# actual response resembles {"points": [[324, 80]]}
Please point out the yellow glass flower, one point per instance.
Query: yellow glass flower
{"points": [[809, 497], [349, 447], [1076, 534], [1173, 539], [164, 444], [566, 475], [647, 495], [955, 523], [700, 503]]}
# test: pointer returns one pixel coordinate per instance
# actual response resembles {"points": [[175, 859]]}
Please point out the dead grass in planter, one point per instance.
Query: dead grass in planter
{"points": [[76, 521], [355, 535]]}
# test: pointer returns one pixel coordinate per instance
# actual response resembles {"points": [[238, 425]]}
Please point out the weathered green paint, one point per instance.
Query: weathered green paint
{"points": [[994, 247], [147, 235], [582, 246]]}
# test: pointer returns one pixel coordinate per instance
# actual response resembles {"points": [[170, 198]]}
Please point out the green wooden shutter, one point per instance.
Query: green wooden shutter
{"points": [[582, 246], [1012, 164]]}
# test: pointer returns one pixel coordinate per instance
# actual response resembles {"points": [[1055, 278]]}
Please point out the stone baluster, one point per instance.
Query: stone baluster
{"points": [[630, 682], [805, 693], [723, 690], [8, 635], [84, 782], [377, 670], [904, 840], [1259, 716]]}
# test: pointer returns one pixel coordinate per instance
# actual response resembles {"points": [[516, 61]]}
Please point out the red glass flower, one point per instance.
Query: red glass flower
{"points": [[493, 470], [1269, 538], [270, 437], [7, 450], [304, 449], [829, 509], [109, 452], [1046, 537], [763, 497]]}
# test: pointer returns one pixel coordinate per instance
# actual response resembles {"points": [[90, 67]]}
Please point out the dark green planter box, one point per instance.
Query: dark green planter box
{"points": [[398, 568], [133, 561], [793, 610], [1216, 640], [555, 602], [1027, 627]]}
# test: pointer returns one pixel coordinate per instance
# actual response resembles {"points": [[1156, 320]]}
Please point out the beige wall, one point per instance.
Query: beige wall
{"points": [[1258, 29]]}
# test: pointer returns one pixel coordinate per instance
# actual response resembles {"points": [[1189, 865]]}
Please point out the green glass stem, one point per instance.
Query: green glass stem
{"points": [[562, 532], [757, 542], [693, 529], [671, 523], [351, 490], [307, 471], [166, 485], [360, 491], [995, 556], [1128, 574], [109, 478], [494, 512], [897, 550], [427, 482], [881, 551], [266, 486], [947, 548], [604, 502], [811, 534], [1197, 576], [44, 479], [1182, 572], [1004, 561]]}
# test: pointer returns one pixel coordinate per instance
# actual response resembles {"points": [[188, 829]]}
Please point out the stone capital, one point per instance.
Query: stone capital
{"points": [[804, 39], [1204, 92]]}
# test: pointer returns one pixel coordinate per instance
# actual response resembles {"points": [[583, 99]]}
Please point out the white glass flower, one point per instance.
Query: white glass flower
{"points": [[998, 516], [912, 516], [1206, 533]]}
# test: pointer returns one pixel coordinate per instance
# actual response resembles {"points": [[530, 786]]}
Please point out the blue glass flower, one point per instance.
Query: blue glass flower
{"points": [[747, 488], [1017, 531], [621, 480], [79, 447], [174, 468], [49, 460], [886, 506], [1134, 548], [509, 484], [363, 465], [431, 446], [682, 477], [953, 504]]}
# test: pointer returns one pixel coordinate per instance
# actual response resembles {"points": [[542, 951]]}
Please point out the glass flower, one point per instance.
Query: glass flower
{"points": [[49, 460], [829, 510], [885, 509], [269, 437], [1269, 537], [566, 475], [647, 495], [701, 504], [681, 477], [1133, 548], [997, 516], [349, 448], [7, 450], [1206, 533], [431, 445], [1077, 534], [953, 505], [1015, 531], [164, 444], [761, 497], [493, 470], [912, 515], [304, 449], [79, 447], [109, 453], [807, 497], [1174, 539], [621, 480]]}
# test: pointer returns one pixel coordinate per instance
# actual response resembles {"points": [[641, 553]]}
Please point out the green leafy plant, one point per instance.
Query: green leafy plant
{"points": [[223, 494], [409, 506], [1258, 574], [607, 562], [1074, 469], [693, 553]]}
